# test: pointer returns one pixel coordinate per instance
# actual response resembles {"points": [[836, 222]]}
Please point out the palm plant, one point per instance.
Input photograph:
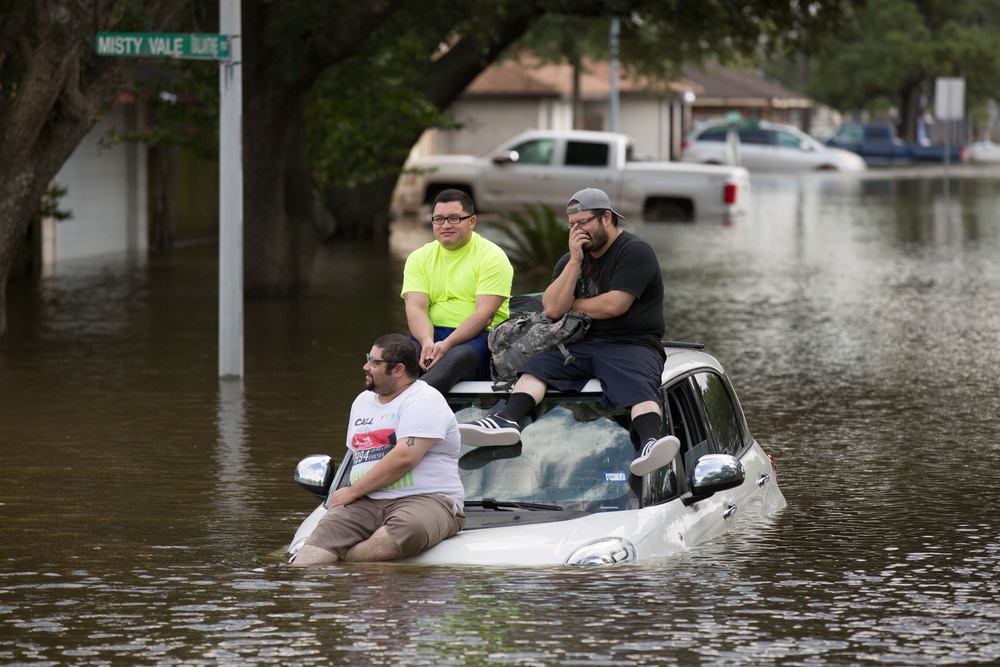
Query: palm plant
{"points": [[535, 239]]}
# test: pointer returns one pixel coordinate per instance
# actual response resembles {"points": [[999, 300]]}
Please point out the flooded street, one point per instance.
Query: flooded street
{"points": [[144, 503]]}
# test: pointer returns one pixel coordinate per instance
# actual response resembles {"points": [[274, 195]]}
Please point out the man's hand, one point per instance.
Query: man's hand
{"points": [[577, 238], [432, 353]]}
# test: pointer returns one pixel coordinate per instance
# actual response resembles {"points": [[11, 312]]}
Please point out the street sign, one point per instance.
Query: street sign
{"points": [[166, 44], [949, 98]]}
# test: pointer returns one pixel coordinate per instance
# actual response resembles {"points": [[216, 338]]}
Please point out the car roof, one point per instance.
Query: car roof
{"points": [[680, 361]]}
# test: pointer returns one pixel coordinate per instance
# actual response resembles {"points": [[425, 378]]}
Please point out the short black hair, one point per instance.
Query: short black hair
{"points": [[397, 347], [452, 194]]}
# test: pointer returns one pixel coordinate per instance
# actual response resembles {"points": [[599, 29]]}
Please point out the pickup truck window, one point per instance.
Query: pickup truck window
{"points": [[850, 135], [587, 154], [538, 151]]}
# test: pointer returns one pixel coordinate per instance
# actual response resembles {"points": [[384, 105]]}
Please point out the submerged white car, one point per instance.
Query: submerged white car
{"points": [[762, 146], [564, 494]]}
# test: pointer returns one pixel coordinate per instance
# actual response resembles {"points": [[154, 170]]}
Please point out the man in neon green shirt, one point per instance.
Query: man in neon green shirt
{"points": [[456, 288]]}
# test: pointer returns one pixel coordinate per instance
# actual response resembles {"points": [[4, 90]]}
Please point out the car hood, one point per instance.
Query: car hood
{"points": [[549, 543]]}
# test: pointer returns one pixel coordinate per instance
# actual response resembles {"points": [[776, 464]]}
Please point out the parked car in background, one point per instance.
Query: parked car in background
{"points": [[545, 167], [564, 494], [879, 145], [984, 152], [765, 146]]}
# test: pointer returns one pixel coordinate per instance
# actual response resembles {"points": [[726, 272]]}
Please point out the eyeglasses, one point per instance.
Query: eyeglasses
{"points": [[451, 219], [580, 223], [372, 360]]}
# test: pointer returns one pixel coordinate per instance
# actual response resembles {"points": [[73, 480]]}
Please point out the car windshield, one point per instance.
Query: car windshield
{"points": [[574, 454]]}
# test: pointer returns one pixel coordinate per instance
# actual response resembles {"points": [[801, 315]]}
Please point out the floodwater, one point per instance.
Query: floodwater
{"points": [[144, 503]]}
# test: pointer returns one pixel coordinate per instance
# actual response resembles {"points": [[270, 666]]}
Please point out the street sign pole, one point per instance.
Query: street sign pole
{"points": [[231, 195]]}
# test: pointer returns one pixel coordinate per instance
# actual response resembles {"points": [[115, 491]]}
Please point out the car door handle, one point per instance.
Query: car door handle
{"points": [[729, 512], [763, 479]]}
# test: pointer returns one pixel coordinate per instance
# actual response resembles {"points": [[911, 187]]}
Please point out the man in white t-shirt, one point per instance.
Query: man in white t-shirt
{"points": [[405, 494]]}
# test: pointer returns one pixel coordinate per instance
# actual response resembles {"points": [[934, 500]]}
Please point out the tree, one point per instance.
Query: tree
{"points": [[53, 88], [389, 68], [893, 50]]}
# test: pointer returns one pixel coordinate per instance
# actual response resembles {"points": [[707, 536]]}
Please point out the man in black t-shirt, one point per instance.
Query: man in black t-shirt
{"points": [[614, 277]]}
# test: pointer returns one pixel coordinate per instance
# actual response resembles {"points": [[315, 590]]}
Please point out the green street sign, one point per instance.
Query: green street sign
{"points": [[166, 44]]}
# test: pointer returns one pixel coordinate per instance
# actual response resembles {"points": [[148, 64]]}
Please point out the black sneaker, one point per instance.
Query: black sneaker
{"points": [[655, 454], [492, 431]]}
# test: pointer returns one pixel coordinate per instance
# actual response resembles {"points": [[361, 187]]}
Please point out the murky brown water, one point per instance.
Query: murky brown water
{"points": [[143, 502]]}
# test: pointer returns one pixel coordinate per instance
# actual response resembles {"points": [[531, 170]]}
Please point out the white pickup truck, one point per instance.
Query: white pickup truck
{"points": [[545, 167]]}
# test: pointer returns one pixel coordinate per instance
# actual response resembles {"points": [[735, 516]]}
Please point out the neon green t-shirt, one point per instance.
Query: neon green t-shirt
{"points": [[453, 278]]}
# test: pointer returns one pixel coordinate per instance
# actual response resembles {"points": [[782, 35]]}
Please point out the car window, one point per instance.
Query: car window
{"points": [[722, 413], [713, 134], [755, 135], [587, 154], [574, 453], [537, 151], [788, 140]]}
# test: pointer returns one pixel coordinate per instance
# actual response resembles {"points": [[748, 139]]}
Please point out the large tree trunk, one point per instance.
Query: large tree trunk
{"points": [[63, 87], [282, 213], [363, 212], [909, 110]]}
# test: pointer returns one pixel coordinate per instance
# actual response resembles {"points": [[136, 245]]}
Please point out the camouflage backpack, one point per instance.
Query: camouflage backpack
{"points": [[525, 334]]}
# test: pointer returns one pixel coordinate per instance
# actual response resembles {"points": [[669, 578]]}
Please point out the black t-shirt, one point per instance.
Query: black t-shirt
{"points": [[629, 265]]}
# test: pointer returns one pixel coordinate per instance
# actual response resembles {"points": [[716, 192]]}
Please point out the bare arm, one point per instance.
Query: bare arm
{"points": [[605, 306], [400, 459], [417, 305], [559, 295]]}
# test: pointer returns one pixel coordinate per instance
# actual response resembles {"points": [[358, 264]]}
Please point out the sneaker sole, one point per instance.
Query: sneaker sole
{"points": [[658, 458], [477, 436]]}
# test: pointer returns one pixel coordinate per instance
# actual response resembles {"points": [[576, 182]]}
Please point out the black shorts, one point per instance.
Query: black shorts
{"points": [[630, 373]]}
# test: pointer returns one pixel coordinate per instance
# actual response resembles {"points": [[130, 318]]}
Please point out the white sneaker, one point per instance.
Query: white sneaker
{"points": [[492, 431], [655, 454]]}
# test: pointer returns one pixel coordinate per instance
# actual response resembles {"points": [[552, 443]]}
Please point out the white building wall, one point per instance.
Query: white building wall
{"points": [[106, 194]]}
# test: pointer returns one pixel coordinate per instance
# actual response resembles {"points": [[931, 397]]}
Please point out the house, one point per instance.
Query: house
{"points": [[515, 95]]}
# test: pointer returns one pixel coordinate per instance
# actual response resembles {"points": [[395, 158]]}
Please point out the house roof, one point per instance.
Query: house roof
{"points": [[731, 87], [527, 77]]}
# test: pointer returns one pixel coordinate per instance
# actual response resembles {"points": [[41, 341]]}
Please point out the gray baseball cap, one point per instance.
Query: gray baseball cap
{"points": [[591, 199]]}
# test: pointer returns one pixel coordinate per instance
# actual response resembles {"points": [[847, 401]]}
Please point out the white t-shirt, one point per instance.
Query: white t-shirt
{"points": [[422, 412]]}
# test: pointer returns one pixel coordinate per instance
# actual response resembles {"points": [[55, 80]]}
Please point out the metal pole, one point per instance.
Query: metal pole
{"points": [[231, 195], [613, 39]]}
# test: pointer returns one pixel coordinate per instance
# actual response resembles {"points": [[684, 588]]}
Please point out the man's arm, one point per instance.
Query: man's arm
{"points": [[605, 306], [417, 306], [400, 459]]}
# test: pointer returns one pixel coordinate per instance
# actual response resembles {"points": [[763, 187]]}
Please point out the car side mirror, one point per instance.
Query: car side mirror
{"points": [[505, 157], [314, 473], [713, 473]]}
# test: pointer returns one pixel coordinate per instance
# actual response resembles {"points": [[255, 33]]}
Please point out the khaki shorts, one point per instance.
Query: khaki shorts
{"points": [[415, 523]]}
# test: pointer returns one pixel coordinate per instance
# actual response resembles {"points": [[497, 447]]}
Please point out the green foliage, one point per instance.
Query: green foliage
{"points": [[534, 240], [363, 114], [50, 203], [894, 47]]}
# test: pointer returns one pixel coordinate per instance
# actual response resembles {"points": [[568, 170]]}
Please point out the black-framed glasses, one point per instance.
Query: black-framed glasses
{"points": [[580, 223], [373, 361], [450, 219]]}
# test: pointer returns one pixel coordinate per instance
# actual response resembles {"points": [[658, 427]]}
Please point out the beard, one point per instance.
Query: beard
{"points": [[598, 240]]}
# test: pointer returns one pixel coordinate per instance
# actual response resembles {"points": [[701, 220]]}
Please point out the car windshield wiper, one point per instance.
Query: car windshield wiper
{"points": [[494, 504]]}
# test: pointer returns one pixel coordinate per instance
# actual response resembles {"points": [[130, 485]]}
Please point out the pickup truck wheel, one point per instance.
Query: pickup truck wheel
{"points": [[668, 209]]}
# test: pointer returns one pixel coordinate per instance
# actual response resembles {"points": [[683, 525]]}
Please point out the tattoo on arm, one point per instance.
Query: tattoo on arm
{"points": [[410, 441]]}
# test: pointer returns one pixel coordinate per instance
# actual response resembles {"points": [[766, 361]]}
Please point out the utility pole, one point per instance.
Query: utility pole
{"points": [[231, 195]]}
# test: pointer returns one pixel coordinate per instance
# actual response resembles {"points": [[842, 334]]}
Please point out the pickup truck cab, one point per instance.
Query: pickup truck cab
{"points": [[879, 145], [545, 167]]}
